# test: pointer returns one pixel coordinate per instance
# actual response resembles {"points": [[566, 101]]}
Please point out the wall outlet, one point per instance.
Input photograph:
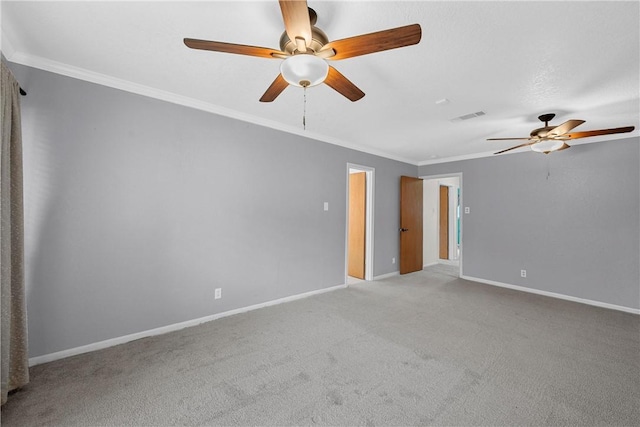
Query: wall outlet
{"points": [[393, 260], [326, 206], [523, 273], [467, 209], [218, 293]]}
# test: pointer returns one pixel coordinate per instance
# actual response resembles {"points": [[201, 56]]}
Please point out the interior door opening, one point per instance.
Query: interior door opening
{"points": [[359, 239], [442, 221]]}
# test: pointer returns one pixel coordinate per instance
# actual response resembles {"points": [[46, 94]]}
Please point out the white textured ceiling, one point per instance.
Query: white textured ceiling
{"points": [[512, 60]]}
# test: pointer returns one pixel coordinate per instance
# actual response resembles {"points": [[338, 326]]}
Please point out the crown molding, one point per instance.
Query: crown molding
{"points": [[634, 134], [151, 92], [67, 70], [455, 158], [6, 47]]}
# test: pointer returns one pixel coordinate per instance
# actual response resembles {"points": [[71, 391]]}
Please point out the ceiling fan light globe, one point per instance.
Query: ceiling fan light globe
{"points": [[547, 145], [304, 70]]}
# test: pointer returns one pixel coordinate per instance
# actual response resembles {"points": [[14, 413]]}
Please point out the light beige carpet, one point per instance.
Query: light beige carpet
{"points": [[421, 349]]}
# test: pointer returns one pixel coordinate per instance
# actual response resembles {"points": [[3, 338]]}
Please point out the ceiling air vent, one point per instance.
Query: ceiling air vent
{"points": [[468, 116]]}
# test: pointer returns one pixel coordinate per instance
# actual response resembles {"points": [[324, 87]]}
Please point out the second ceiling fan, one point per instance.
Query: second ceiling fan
{"points": [[554, 138], [305, 49]]}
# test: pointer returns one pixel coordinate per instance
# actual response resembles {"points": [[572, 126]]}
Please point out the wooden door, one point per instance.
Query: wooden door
{"points": [[410, 224], [357, 220], [444, 222]]}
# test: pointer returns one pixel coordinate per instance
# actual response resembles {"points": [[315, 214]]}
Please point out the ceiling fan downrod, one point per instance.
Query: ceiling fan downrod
{"points": [[546, 118]]}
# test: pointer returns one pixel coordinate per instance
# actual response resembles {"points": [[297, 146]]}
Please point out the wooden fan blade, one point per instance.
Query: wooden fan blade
{"points": [[375, 42], [507, 139], [240, 49], [564, 128], [586, 134], [517, 146], [326, 53], [341, 84], [276, 88], [295, 14]]}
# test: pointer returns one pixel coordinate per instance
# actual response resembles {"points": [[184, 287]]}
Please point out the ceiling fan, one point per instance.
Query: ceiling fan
{"points": [[305, 49], [552, 138]]}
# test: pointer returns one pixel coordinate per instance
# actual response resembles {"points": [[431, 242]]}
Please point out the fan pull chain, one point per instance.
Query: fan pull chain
{"points": [[304, 109]]}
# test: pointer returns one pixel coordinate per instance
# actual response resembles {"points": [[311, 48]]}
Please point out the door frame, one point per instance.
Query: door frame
{"points": [[459, 176], [369, 216]]}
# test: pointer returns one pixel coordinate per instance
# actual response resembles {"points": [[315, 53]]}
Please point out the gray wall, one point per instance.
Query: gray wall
{"points": [[571, 219], [136, 209]]}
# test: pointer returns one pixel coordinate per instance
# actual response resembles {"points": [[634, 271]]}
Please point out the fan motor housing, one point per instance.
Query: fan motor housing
{"points": [[541, 132], [318, 39]]}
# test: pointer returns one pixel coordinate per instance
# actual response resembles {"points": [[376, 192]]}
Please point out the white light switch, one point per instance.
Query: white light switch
{"points": [[467, 209], [326, 206]]}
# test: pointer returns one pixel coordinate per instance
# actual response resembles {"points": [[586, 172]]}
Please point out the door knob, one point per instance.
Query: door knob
{"points": [[404, 229]]}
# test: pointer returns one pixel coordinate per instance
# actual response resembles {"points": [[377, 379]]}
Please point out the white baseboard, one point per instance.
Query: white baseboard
{"points": [[554, 295], [169, 328], [431, 264], [386, 276], [455, 262]]}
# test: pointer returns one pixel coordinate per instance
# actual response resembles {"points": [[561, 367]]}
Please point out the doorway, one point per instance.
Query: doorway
{"points": [[442, 221], [359, 229]]}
